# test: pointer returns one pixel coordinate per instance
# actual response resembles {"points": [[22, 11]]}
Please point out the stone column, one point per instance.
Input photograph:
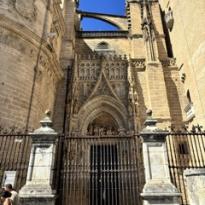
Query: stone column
{"points": [[195, 180], [158, 188], [38, 190]]}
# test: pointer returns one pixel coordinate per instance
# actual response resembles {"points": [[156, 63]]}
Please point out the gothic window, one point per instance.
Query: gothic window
{"points": [[82, 74], [119, 73], [88, 73], [103, 46], [112, 73]]}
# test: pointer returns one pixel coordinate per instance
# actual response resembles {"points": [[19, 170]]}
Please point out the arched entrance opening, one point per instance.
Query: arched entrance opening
{"points": [[103, 124], [102, 114], [104, 154]]}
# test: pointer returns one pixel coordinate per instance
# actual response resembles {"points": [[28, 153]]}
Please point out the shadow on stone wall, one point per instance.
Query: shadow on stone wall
{"points": [[141, 101], [59, 106], [173, 98]]}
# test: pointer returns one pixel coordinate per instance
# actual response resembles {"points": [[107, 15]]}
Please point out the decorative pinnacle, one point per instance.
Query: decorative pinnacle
{"points": [[150, 123], [151, 130], [46, 125]]}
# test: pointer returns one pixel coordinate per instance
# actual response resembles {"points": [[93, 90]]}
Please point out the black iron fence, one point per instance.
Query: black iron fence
{"points": [[185, 150], [14, 157], [104, 170]]}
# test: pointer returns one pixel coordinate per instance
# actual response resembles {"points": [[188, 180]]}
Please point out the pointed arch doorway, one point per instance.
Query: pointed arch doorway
{"points": [[102, 115], [102, 163]]}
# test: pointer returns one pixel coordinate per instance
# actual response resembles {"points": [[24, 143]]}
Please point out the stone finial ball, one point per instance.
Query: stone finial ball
{"points": [[149, 112], [48, 112]]}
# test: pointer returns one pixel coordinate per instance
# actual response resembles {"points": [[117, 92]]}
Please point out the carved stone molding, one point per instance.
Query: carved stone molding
{"points": [[97, 56], [169, 62], [28, 44], [27, 9], [97, 76], [90, 69], [99, 79], [138, 64], [100, 34]]}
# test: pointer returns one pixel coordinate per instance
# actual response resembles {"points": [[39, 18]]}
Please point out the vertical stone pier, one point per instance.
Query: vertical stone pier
{"points": [[195, 181], [38, 187], [158, 188]]}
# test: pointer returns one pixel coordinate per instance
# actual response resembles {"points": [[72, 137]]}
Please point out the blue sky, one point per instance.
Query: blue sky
{"points": [[101, 6]]}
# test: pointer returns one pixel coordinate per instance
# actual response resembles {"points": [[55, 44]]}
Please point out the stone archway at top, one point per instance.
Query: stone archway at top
{"points": [[120, 22], [96, 24], [102, 106]]}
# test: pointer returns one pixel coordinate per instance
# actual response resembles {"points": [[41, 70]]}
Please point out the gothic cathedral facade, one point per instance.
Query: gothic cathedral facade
{"points": [[114, 75], [102, 83]]}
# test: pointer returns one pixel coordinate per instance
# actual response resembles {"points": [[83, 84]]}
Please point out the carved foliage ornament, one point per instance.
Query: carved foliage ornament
{"points": [[26, 8]]}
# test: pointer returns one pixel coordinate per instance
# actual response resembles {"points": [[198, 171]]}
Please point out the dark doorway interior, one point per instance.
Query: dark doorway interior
{"points": [[104, 186]]}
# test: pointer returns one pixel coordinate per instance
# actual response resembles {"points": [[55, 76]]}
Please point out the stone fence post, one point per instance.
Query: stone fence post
{"points": [[158, 188], [38, 190]]}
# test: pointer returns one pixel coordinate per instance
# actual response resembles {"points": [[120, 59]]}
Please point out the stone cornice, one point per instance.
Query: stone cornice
{"points": [[169, 62], [138, 64], [33, 39], [100, 34]]}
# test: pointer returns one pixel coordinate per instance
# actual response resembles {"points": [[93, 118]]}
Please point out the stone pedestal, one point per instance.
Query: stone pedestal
{"points": [[38, 190], [195, 181], [158, 188]]}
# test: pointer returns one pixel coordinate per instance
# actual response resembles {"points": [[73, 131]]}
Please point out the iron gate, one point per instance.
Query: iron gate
{"points": [[101, 171], [185, 150]]}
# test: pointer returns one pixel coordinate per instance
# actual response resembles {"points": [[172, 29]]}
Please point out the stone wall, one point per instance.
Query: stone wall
{"points": [[31, 43], [175, 96], [188, 43], [156, 82], [119, 46], [67, 56], [30, 70], [195, 182]]}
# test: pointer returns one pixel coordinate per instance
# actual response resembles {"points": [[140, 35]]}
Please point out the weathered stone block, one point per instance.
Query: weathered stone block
{"points": [[195, 180]]}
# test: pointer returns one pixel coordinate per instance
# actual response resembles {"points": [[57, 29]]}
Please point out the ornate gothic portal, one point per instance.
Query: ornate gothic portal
{"points": [[101, 104], [102, 160], [103, 164]]}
